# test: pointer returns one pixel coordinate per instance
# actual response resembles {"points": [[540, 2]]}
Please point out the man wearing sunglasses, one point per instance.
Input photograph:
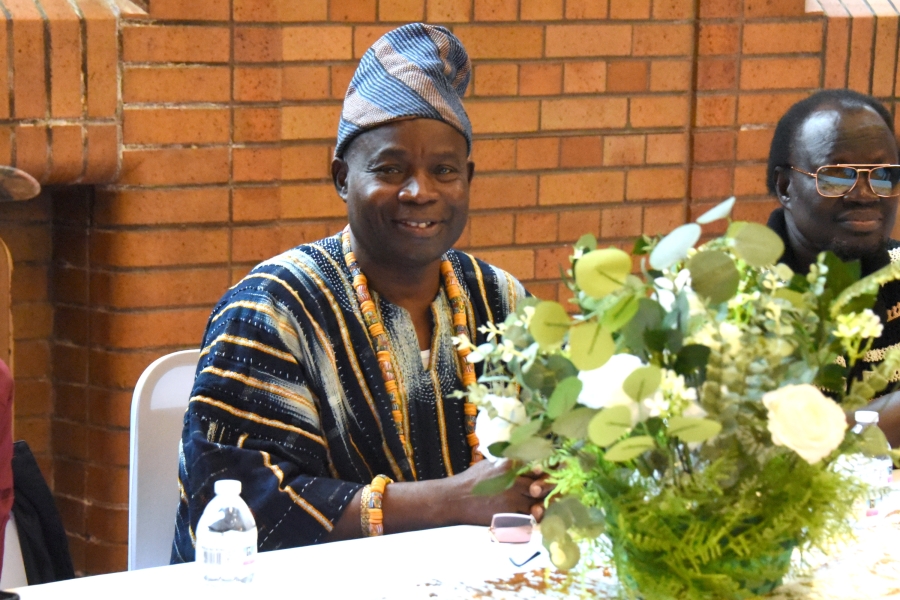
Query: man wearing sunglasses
{"points": [[833, 165]]}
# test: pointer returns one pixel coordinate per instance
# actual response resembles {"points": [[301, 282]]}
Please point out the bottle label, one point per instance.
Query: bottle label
{"points": [[227, 555]]}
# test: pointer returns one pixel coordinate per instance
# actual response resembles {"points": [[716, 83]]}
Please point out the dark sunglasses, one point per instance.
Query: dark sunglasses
{"points": [[833, 181]]}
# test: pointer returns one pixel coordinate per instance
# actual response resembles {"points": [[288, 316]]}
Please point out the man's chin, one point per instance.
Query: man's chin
{"points": [[863, 249]]}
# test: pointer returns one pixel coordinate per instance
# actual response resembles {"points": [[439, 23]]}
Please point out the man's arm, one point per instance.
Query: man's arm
{"points": [[888, 409]]}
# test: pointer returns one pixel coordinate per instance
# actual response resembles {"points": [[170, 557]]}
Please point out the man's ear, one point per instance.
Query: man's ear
{"points": [[339, 172], [470, 166], [783, 186]]}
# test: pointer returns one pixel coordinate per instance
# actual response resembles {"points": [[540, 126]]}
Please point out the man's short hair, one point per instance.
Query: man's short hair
{"points": [[786, 130]]}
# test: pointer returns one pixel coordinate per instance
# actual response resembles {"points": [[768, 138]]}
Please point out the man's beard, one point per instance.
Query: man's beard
{"points": [[865, 252]]}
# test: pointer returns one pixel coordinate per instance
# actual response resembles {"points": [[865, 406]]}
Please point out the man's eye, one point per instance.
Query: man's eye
{"points": [[445, 170]]}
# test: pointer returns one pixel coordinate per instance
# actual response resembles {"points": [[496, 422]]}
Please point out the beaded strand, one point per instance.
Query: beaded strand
{"points": [[383, 347]]}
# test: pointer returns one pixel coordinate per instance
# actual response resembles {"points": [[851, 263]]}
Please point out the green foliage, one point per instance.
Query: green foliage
{"points": [[668, 451]]}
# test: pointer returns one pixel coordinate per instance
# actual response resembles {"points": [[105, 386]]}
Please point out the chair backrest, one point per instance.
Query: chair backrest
{"points": [[157, 413]]}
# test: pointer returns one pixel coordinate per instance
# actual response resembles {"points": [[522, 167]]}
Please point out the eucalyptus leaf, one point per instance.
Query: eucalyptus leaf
{"points": [[609, 425], [691, 359], [497, 448], [795, 298], [649, 316], [553, 526], [601, 272], [495, 485], [564, 554], [694, 429], [629, 448], [674, 247], [564, 397], [719, 211], [587, 242], [561, 366], [714, 275], [620, 313], [643, 382], [574, 424], [522, 433], [756, 244], [549, 324], [530, 450], [590, 346]]}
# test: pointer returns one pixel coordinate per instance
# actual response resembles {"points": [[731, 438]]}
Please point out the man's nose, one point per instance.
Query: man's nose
{"points": [[418, 188], [862, 191]]}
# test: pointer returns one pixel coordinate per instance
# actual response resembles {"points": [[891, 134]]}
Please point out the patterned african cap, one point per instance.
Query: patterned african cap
{"points": [[413, 71]]}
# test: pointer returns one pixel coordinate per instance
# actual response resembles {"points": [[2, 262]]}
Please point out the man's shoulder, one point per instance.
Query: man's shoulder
{"points": [[498, 287]]}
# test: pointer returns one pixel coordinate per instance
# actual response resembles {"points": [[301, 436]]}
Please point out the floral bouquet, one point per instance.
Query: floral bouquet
{"points": [[690, 416]]}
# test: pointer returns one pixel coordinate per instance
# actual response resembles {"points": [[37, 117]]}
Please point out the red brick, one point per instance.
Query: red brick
{"points": [[175, 165], [754, 9], [176, 126], [491, 230], [717, 9], [401, 10], [159, 289], [109, 408], [753, 144], [29, 69], [714, 111], [584, 77], [536, 228], [663, 40], [311, 200], [138, 330], [176, 43], [496, 10], [540, 79], [496, 79], [765, 108], [575, 223], [65, 59], [177, 10], [581, 151], [659, 111], [518, 262], [713, 146], [670, 76], [257, 44], [172, 247], [583, 113], [102, 154], [257, 124], [750, 180], [550, 262], [276, 11], [627, 76], [176, 84], [155, 207], [340, 79], [623, 150], [663, 218], [585, 9], [718, 38], [621, 221], [541, 10], [490, 116], [263, 84], [779, 73], [352, 10], [711, 182], [333, 42], [655, 184], [494, 155], [491, 41], [782, 38], [716, 73], [588, 40], [537, 153], [543, 290], [629, 9], [66, 154], [504, 191], [256, 204], [582, 188], [306, 162], [673, 9], [448, 11]]}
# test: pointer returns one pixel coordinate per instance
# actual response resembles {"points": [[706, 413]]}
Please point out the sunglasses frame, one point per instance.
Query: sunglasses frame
{"points": [[512, 535], [867, 169]]}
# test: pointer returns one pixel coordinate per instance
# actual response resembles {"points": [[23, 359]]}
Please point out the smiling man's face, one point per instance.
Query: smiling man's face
{"points": [[858, 223], [406, 185]]}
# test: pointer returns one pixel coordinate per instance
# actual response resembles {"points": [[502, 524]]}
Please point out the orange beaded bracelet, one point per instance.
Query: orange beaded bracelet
{"points": [[372, 515]]}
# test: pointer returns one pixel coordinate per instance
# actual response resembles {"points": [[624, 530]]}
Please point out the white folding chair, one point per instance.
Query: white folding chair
{"points": [[157, 412]]}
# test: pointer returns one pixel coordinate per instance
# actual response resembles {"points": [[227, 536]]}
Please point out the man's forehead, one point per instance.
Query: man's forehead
{"points": [[821, 133], [393, 139]]}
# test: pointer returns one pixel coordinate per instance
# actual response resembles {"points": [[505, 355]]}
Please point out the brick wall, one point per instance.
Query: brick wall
{"points": [[612, 116]]}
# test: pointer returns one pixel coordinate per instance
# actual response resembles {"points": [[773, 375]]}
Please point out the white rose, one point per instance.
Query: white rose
{"points": [[804, 420], [602, 387], [510, 414]]}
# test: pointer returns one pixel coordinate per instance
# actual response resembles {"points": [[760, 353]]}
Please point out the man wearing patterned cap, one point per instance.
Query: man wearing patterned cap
{"points": [[329, 370]]}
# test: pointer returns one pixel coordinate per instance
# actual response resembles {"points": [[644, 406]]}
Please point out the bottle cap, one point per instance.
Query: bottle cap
{"points": [[866, 417], [227, 487]]}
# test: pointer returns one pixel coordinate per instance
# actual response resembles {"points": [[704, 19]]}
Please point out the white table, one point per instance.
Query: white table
{"points": [[456, 562]]}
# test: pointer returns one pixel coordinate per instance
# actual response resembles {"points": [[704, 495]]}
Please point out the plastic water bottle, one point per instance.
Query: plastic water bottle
{"points": [[876, 471], [226, 536]]}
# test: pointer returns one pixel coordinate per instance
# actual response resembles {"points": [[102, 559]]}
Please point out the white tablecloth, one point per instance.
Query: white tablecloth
{"points": [[461, 562]]}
